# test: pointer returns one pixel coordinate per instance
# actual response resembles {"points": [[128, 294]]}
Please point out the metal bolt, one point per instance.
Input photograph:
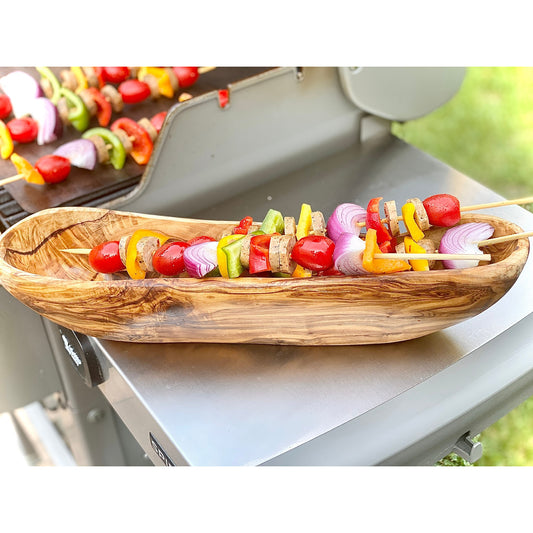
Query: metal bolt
{"points": [[95, 415]]}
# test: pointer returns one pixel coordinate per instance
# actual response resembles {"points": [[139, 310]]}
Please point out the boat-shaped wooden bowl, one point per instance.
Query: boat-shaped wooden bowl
{"points": [[334, 310]]}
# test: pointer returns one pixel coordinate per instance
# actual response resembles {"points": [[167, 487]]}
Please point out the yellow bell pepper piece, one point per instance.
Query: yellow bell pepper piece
{"points": [[301, 272], [379, 266], [132, 264], [163, 79], [408, 213], [80, 78], [26, 169], [304, 222], [222, 259], [6, 142], [411, 247]]}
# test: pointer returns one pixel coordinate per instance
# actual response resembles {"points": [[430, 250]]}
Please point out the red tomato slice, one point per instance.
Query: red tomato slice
{"points": [[443, 210], [53, 168], [168, 259], [5, 106], [187, 76], [134, 91], [23, 130], [115, 74], [314, 252], [105, 258]]}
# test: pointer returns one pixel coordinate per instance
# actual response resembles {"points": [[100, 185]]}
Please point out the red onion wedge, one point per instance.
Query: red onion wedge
{"points": [[200, 259], [461, 240], [22, 89], [45, 113], [348, 254], [344, 220], [81, 153]]}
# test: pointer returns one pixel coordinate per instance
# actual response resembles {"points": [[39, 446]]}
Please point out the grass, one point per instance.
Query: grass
{"points": [[486, 132]]}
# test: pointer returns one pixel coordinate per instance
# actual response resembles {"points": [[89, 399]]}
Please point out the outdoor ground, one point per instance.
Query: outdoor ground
{"points": [[486, 132]]}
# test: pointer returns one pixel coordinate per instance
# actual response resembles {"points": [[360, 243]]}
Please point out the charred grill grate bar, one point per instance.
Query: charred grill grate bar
{"points": [[11, 212]]}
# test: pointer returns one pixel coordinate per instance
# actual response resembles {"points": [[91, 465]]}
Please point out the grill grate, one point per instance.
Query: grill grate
{"points": [[11, 212]]}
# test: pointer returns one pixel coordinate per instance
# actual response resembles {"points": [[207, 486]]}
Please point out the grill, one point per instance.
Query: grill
{"points": [[319, 135]]}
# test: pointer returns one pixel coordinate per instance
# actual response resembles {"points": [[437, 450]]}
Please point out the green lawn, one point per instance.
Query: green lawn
{"points": [[486, 132]]}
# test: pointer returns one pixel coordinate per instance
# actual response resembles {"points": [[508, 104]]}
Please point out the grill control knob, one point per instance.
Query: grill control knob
{"points": [[83, 357]]}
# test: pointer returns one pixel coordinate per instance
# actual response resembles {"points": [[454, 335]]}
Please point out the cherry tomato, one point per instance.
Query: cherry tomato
{"points": [[200, 239], [157, 120], [314, 252], [5, 106], [105, 258], [134, 91], [115, 74], [53, 168], [187, 76], [168, 259], [23, 130], [443, 210]]}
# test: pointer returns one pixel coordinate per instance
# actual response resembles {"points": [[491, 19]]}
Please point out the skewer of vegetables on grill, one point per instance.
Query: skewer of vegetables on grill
{"points": [[97, 145], [96, 96], [41, 109]]}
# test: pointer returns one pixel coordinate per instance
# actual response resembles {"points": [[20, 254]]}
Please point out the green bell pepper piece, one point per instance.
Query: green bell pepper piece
{"points": [[232, 252], [117, 157], [46, 73], [281, 275], [273, 222], [213, 274], [78, 114]]}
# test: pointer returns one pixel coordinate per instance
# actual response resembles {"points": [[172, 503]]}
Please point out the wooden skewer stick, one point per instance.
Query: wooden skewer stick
{"points": [[429, 257], [77, 251], [17, 177], [434, 257], [505, 238], [204, 70], [5, 181], [501, 203]]}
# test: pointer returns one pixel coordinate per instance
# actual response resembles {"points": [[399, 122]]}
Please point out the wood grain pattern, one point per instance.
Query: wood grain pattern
{"points": [[333, 310]]}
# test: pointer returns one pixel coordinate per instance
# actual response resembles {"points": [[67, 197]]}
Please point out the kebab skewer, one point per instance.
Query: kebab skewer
{"points": [[79, 98], [289, 249], [97, 145], [111, 145], [438, 210]]}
